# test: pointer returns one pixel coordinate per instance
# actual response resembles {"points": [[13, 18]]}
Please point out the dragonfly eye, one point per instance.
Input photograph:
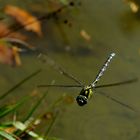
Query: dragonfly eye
{"points": [[81, 100]]}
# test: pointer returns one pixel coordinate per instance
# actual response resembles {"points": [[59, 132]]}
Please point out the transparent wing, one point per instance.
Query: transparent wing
{"points": [[117, 101], [69, 86], [44, 58], [118, 83], [100, 86]]}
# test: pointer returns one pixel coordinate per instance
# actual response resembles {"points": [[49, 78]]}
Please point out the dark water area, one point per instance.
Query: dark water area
{"points": [[113, 28]]}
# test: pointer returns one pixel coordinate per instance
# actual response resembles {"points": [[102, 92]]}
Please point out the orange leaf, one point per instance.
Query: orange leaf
{"points": [[10, 129], [9, 55], [5, 55], [24, 18], [16, 56]]}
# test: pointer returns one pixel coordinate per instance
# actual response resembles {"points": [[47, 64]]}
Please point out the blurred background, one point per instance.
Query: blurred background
{"points": [[79, 36]]}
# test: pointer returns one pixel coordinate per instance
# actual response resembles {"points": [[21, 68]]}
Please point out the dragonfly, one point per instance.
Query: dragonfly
{"points": [[87, 91]]}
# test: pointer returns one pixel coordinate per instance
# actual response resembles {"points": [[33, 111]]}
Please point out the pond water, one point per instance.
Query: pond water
{"points": [[113, 28]]}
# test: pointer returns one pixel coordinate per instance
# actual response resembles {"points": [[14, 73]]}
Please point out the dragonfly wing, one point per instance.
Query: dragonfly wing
{"points": [[69, 86], [118, 83], [117, 101], [46, 59]]}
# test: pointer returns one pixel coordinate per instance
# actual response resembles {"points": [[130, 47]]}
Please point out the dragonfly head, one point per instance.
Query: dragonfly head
{"points": [[84, 95], [81, 100]]}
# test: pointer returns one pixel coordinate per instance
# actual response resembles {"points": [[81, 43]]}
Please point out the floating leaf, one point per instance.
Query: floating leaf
{"points": [[133, 5], [69, 99], [10, 129], [9, 55], [29, 22], [85, 35], [10, 49], [48, 115], [7, 127]]}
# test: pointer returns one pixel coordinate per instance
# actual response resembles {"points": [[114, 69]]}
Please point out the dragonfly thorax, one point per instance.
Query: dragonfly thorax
{"points": [[84, 95]]}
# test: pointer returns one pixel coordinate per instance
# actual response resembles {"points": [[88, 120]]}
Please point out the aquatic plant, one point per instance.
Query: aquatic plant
{"points": [[25, 128]]}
